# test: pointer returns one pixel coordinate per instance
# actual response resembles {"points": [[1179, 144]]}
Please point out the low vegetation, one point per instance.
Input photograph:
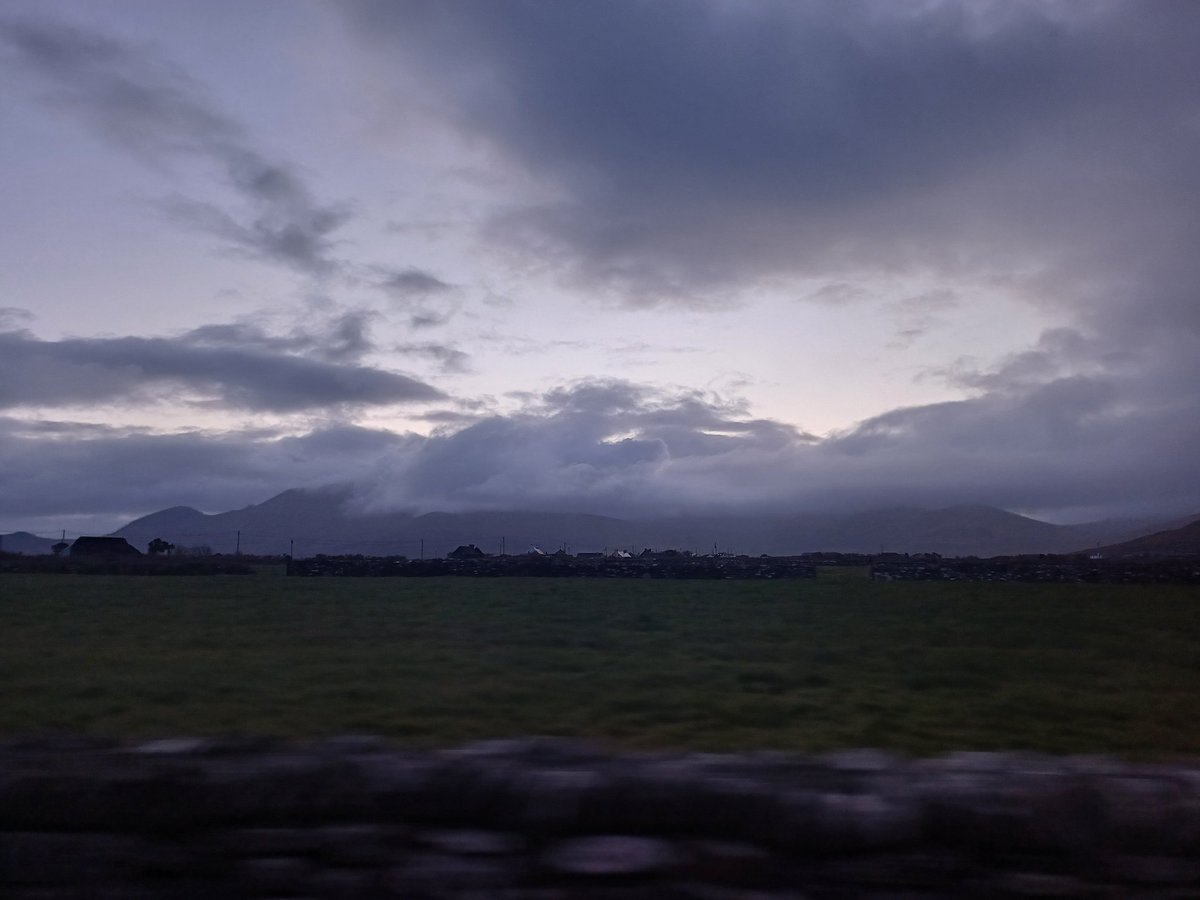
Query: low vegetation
{"points": [[799, 665]]}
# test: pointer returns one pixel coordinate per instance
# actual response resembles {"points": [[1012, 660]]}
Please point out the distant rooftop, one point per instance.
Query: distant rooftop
{"points": [[103, 546]]}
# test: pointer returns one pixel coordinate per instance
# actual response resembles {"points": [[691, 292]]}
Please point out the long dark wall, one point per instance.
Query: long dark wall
{"points": [[546, 819]]}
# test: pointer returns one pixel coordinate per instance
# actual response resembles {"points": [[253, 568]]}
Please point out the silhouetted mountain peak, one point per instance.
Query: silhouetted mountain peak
{"points": [[326, 520]]}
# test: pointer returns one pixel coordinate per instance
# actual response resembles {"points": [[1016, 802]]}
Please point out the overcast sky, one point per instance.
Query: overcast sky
{"points": [[622, 257]]}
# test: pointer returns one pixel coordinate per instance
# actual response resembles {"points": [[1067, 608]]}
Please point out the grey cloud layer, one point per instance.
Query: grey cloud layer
{"points": [[152, 109], [447, 357], [411, 282], [698, 148], [346, 338], [711, 143], [68, 469], [1074, 446], [415, 289], [147, 106], [215, 365]]}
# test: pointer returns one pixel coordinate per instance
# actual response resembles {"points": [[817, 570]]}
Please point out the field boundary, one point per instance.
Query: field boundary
{"points": [[538, 817]]}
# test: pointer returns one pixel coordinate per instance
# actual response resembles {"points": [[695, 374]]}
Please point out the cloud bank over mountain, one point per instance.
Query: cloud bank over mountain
{"points": [[620, 449]]}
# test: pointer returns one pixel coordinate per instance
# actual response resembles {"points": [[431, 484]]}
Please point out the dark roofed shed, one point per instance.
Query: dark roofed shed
{"points": [[103, 546]]}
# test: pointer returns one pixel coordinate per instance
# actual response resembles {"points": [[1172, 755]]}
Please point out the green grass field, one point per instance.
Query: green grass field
{"points": [[839, 662]]}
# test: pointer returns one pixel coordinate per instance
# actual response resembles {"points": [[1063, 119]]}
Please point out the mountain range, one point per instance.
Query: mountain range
{"points": [[308, 522], [311, 521], [1182, 541], [24, 542]]}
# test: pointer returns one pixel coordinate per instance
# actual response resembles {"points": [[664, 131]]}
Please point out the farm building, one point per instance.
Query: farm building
{"points": [[103, 546]]}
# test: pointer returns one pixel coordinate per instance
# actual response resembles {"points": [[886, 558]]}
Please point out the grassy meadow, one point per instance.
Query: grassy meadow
{"points": [[840, 662]]}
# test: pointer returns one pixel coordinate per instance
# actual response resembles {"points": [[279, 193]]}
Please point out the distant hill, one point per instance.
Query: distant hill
{"points": [[951, 531], [318, 521], [321, 521], [26, 543], [1182, 541]]}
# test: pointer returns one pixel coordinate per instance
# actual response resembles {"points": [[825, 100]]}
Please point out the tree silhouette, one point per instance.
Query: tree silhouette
{"points": [[158, 545]]}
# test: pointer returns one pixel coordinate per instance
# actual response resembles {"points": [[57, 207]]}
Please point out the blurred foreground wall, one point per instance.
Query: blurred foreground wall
{"points": [[545, 818]]}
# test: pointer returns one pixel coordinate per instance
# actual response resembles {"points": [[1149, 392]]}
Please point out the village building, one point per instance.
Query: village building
{"points": [[103, 547]]}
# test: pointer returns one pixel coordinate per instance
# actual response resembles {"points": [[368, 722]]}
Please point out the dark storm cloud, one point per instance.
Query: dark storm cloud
{"points": [[701, 150], [698, 147], [65, 468], [1079, 446], [147, 106], [205, 367]]}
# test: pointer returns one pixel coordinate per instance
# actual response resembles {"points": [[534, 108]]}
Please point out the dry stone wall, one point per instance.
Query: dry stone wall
{"points": [[547, 819]]}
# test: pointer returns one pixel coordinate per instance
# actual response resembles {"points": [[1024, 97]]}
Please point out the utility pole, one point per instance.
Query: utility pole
{"points": [[422, 548], [238, 548], [291, 547]]}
